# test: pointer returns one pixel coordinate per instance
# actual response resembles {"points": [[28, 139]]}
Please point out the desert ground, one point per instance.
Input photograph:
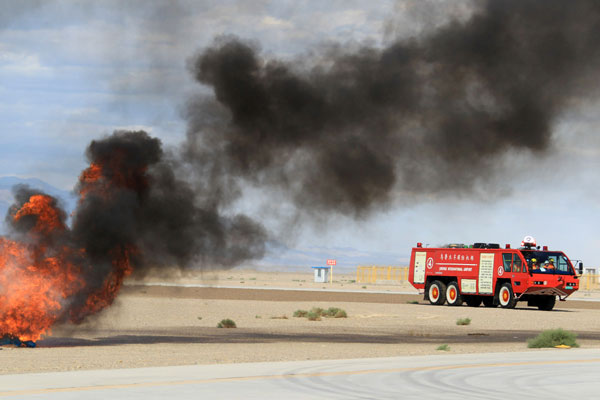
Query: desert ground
{"points": [[160, 321]]}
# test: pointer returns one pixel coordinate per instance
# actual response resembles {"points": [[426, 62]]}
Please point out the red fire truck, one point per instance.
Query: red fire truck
{"points": [[485, 273]]}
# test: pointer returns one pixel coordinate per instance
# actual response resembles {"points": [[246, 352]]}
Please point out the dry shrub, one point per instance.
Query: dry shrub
{"points": [[313, 316], [552, 338], [300, 313], [226, 323]]}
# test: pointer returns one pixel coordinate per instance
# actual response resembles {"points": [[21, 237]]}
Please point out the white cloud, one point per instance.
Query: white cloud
{"points": [[276, 22], [347, 17], [83, 112], [22, 64]]}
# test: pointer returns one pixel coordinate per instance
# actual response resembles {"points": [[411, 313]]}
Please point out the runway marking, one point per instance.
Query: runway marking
{"points": [[284, 376]]}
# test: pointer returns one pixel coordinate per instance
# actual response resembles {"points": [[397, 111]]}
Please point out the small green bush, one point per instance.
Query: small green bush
{"points": [[313, 316], [443, 347], [552, 338], [226, 323], [332, 312], [463, 321], [317, 310], [300, 313], [316, 313]]}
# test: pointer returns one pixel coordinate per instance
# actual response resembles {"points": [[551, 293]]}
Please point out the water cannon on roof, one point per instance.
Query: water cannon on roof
{"points": [[528, 242], [481, 245]]}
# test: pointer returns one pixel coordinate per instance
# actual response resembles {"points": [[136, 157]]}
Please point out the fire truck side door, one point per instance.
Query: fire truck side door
{"points": [[519, 273]]}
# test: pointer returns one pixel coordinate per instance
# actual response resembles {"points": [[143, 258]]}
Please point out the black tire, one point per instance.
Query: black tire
{"points": [[506, 296], [453, 297], [473, 301], [547, 303], [488, 301], [437, 293]]}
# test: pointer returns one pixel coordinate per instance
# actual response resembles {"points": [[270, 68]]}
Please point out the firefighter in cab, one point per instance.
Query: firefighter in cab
{"points": [[534, 265]]}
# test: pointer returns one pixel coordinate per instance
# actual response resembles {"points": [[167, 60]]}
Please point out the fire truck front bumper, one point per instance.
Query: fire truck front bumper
{"points": [[562, 290]]}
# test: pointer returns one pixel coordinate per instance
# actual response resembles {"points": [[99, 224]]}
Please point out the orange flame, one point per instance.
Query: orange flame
{"points": [[48, 217], [39, 279], [33, 290]]}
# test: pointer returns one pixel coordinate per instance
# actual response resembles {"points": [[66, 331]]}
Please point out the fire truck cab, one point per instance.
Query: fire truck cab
{"points": [[486, 273]]}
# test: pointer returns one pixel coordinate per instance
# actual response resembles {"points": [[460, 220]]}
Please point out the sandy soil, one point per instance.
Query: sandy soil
{"points": [[165, 325]]}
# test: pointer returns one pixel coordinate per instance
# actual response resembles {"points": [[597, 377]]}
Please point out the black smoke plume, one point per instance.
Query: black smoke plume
{"points": [[139, 200], [356, 128]]}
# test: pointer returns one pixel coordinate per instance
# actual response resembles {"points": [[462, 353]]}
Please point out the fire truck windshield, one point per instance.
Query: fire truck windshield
{"points": [[547, 262]]}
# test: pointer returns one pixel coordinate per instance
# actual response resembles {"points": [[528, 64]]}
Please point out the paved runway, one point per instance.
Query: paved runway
{"points": [[544, 374]]}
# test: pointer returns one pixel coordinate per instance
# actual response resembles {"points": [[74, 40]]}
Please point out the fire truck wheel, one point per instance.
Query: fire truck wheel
{"points": [[547, 303], [453, 297], [506, 296], [488, 301], [473, 301], [437, 293]]}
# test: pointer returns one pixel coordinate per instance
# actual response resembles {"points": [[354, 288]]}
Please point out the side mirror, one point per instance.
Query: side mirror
{"points": [[580, 267]]}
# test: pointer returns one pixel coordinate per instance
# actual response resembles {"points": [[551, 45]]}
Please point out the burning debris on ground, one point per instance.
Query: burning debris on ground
{"points": [[10, 340]]}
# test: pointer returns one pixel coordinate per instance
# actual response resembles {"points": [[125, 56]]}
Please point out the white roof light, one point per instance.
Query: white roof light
{"points": [[528, 241]]}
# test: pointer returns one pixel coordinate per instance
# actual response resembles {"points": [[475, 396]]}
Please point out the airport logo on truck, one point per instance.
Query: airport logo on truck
{"points": [[430, 263]]}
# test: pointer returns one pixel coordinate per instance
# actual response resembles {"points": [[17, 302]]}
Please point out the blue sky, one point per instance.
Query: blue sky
{"points": [[72, 71]]}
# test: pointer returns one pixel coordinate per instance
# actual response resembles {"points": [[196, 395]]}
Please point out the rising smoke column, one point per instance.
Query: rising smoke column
{"points": [[356, 128], [134, 214]]}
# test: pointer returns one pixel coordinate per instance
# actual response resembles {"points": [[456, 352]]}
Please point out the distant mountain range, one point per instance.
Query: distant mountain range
{"points": [[66, 198]]}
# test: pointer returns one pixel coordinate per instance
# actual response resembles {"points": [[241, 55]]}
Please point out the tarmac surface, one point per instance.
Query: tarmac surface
{"points": [[545, 374]]}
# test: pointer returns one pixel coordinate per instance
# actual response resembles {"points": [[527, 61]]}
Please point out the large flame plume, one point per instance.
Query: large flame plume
{"points": [[131, 209]]}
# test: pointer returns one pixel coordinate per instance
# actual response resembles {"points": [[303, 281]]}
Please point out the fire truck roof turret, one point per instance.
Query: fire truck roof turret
{"points": [[528, 241]]}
